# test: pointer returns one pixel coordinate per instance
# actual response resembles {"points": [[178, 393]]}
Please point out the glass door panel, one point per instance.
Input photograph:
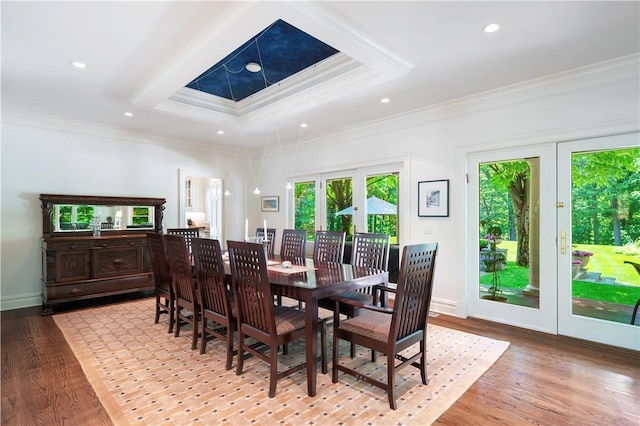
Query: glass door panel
{"points": [[599, 228], [510, 273], [339, 205], [509, 224], [304, 211], [382, 205]]}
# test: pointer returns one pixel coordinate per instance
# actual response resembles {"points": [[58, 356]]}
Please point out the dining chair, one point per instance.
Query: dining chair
{"points": [[292, 249], [187, 307], [165, 297], [271, 240], [328, 246], [393, 330], [293, 246], [187, 233], [216, 299], [258, 318], [369, 250]]}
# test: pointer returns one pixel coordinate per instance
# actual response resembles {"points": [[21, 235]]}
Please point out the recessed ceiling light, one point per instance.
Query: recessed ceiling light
{"points": [[128, 114], [78, 64], [253, 67], [221, 132], [491, 28], [385, 100], [303, 125]]}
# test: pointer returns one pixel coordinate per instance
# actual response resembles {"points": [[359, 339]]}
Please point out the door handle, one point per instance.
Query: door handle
{"points": [[563, 242]]}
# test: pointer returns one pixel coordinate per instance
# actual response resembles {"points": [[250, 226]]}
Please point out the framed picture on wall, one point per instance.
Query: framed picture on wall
{"points": [[270, 204], [433, 198]]}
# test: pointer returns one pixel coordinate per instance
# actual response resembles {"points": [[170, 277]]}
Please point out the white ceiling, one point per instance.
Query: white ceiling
{"points": [[418, 53]]}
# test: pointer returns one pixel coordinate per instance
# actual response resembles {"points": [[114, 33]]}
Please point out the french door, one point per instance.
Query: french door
{"points": [[598, 184], [511, 237], [568, 276], [358, 200]]}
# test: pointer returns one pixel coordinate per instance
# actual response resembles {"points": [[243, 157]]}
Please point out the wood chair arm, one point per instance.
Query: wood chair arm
{"points": [[357, 304], [380, 289]]}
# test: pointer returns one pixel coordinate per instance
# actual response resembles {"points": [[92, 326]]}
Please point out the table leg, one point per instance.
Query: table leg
{"points": [[311, 343]]}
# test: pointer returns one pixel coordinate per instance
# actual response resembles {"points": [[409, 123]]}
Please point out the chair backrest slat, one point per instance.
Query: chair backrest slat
{"points": [[370, 251], [329, 246], [159, 261], [181, 269], [413, 298], [254, 300], [210, 275], [187, 233], [293, 246]]}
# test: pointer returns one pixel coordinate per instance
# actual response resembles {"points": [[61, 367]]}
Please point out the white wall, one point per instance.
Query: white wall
{"points": [[39, 160], [592, 102]]}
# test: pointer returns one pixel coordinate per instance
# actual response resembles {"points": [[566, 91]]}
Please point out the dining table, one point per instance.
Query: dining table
{"points": [[312, 282]]}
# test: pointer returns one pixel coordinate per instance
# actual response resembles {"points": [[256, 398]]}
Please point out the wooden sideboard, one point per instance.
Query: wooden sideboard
{"points": [[78, 265]]}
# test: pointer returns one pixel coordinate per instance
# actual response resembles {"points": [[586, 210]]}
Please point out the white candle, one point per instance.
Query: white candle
{"points": [[265, 230], [246, 229]]}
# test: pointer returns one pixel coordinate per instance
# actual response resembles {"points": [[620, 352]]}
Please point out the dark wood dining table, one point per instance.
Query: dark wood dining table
{"points": [[319, 281]]}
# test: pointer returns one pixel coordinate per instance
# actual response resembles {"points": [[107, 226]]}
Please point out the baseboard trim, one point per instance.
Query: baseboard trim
{"points": [[20, 301], [444, 306]]}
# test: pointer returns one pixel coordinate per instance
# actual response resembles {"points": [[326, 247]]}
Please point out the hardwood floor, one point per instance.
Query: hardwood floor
{"points": [[541, 379]]}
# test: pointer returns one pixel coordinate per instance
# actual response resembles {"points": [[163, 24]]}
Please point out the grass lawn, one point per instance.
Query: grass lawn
{"points": [[604, 260]]}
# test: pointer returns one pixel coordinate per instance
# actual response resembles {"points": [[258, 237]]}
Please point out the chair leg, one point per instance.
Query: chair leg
{"points": [[273, 370], [323, 345], [203, 335], [391, 386], [157, 309], [336, 356], [172, 314], [177, 332], [423, 364], [194, 338], [229, 347], [240, 354]]}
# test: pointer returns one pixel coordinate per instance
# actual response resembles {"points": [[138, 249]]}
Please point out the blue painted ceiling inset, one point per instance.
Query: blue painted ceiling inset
{"points": [[281, 49]]}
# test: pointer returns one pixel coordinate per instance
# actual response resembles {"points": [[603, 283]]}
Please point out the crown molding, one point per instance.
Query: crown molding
{"points": [[54, 123], [622, 69]]}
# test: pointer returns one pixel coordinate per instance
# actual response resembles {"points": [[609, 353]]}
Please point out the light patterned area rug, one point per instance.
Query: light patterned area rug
{"points": [[143, 375]]}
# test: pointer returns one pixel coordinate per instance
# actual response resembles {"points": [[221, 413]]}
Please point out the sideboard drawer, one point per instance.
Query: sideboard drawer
{"points": [[118, 243], [117, 262], [81, 290], [68, 245]]}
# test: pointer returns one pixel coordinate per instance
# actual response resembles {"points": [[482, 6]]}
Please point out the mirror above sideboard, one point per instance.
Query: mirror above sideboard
{"points": [[75, 214]]}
